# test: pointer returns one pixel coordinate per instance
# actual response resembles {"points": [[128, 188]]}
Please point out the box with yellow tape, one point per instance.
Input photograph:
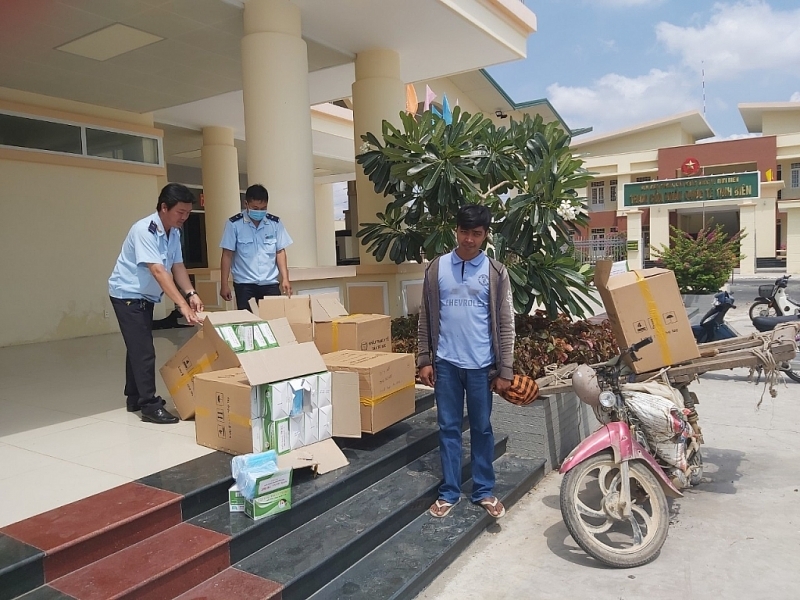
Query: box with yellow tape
{"points": [[216, 346], [386, 385], [336, 330], [647, 303]]}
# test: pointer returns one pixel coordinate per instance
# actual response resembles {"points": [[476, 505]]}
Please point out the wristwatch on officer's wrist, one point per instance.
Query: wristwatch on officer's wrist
{"points": [[190, 294]]}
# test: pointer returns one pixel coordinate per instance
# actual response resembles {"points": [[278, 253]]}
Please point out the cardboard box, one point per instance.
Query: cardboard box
{"points": [[345, 397], [296, 310], [206, 351], [235, 499], [647, 303], [335, 330], [321, 458], [224, 398], [386, 385], [388, 411], [273, 495], [194, 357]]}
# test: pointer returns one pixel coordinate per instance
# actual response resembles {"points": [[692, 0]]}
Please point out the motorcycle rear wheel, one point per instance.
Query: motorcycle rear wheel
{"points": [[792, 372], [762, 308], [587, 494]]}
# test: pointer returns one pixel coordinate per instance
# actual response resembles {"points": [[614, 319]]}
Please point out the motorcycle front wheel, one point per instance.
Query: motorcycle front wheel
{"points": [[589, 496], [762, 308]]}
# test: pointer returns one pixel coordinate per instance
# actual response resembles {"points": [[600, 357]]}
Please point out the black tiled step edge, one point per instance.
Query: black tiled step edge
{"points": [[323, 548], [45, 593], [204, 481], [21, 567], [410, 560], [371, 459]]}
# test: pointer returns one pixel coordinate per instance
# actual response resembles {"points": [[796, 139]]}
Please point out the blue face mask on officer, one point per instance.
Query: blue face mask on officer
{"points": [[257, 215]]}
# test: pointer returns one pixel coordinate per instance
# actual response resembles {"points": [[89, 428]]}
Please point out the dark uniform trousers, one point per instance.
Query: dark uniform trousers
{"points": [[245, 291], [135, 317]]}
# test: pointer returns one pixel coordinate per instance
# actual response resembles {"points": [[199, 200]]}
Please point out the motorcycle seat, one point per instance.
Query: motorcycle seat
{"points": [[770, 323]]}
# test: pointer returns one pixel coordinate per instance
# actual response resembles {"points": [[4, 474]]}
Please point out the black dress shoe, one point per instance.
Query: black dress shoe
{"points": [[160, 416]]}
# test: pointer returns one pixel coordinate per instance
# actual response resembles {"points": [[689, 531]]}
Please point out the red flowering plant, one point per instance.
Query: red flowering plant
{"points": [[702, 263]]}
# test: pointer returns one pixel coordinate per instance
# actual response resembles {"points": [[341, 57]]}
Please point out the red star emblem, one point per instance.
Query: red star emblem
{"points": [[691, 166]]}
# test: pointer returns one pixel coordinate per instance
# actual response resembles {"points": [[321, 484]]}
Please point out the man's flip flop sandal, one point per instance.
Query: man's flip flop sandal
{"points": [[441, 508], [493, 507]]}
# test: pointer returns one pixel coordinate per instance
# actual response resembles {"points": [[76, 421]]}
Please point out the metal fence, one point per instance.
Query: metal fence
{"points": [[590, 251]]}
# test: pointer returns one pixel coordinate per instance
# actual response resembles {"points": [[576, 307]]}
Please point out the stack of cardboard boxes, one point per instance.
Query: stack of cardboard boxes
{"points": [[289, 376], [257, 381]]}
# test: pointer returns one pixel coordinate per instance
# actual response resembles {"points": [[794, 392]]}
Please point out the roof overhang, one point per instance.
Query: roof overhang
{"points": [[692, 122], [753, 113], [491, 98]]}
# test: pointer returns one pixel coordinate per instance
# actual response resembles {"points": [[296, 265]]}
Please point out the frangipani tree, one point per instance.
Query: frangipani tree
{"points": [[525, 173]]}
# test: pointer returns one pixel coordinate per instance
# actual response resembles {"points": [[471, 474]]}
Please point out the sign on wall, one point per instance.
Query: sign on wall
{"points": [[711, 188]]}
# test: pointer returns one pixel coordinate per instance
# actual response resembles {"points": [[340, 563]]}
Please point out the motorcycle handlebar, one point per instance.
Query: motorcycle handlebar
{"points": [[641, 344]]}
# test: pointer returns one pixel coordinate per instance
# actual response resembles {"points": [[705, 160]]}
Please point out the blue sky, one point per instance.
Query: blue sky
{"points": [[610, 64]]}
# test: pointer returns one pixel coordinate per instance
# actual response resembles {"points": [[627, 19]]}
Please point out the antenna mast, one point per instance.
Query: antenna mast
{"points": [[703, 77]]}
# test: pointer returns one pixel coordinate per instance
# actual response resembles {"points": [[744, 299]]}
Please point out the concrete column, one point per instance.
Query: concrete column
{"points": [[634, 218], [220, 186], [326, 234], [378, 95], [747, 222], [793, 238], [277, 119], [659, 227], [766, 216]]}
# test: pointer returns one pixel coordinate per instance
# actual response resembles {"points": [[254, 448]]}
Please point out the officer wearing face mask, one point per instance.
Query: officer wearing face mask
{"points": [[254, 250]]}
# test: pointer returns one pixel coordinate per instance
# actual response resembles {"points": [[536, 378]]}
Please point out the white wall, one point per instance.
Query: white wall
{"points": [[61, 229]]}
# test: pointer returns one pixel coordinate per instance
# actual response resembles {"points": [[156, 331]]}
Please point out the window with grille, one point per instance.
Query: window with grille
{"points": [[612, 191], [795, 178], [643, 179], [598, 192]]}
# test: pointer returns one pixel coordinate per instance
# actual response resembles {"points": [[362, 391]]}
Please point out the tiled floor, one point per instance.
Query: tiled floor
{"points": [[64, 430]]}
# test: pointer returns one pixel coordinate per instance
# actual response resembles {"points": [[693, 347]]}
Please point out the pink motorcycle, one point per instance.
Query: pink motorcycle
{"points": [[616, 482]]}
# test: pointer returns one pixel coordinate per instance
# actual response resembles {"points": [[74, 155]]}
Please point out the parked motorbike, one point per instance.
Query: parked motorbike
{"points": [[773, 301], [712, 327], [790, 369], [616, 482]]}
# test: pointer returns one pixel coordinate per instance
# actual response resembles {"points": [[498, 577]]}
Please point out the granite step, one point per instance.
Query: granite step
{"points": [[72, 536], [410, 560], [323, 548], [162, 566]]}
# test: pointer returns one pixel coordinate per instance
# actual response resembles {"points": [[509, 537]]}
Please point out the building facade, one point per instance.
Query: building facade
{"points": [[662, 174], [102, 103]]}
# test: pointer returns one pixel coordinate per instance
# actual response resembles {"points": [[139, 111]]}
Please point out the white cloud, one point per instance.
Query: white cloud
{"points": [[615, 101], [739, 37], [795, 97]]}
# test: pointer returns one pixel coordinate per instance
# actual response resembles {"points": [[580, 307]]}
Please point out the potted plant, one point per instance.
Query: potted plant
{"points": [[702, 264]]}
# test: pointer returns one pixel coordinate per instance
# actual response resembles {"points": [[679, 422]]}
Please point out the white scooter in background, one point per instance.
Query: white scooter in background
{"points": [[772, 301]]}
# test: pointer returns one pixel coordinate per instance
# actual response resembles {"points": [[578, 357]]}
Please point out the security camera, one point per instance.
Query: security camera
{"points": [[500, 114]]}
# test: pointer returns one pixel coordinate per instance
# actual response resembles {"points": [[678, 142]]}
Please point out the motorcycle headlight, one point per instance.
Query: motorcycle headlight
{"points": [[608, 399]]}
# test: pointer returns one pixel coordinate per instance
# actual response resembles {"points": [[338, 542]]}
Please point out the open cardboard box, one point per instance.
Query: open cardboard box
{"points": [[225, 402], [647, 303], [207, 351], [335, 329], [296, 310]]}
